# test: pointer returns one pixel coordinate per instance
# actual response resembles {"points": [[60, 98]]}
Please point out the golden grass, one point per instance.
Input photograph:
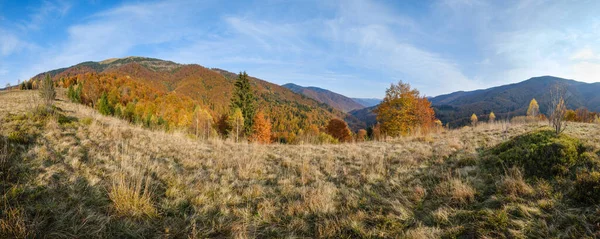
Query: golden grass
{"points": [[132, 198], [89, 172]]}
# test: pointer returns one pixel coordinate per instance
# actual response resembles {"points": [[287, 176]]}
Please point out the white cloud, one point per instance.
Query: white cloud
{"points": [[584, 54]]}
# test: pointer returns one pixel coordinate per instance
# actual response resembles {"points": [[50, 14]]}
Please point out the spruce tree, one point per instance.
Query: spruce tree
{"points": [[243, 99]]}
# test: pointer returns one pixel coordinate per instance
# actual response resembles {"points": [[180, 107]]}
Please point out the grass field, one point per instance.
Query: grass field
{"points": [[76, 173]]}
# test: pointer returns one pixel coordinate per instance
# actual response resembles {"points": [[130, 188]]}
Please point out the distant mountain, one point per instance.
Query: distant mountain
{"points": [[367, 102], [513, 99], [330, 98], [209, 88], [505, 101]]}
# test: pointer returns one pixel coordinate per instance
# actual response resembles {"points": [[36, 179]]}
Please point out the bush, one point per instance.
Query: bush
{"points": [[327, 139], [541, 153], [587, 188]]}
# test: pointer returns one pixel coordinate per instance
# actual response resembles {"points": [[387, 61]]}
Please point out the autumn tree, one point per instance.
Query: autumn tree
{"points": [[474, 120], [361, 135], [492, 117], [339, 130], [534, 109], [261, 129], [47, 92], [243, 99], [403, 110], [202, 123], [236, 121]]}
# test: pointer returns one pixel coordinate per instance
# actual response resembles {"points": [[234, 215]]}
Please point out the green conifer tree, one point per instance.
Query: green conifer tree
{"points": [[243, 98]]}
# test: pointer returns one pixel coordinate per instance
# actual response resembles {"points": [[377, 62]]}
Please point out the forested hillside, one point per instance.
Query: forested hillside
{"points": [[161, 93]]}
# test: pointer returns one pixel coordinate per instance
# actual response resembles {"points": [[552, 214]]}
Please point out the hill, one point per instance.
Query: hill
{"points": [[78, 174], [367, 102], [505, 101], [165, 83], [330, 98], [513, 99]]}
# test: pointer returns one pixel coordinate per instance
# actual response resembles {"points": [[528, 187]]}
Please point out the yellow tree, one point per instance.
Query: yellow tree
{"points": [[534, 109], [261, 129], [474, 120], [361, 135], [236, 121], [202, 123], [403, 110], [492, 117]]}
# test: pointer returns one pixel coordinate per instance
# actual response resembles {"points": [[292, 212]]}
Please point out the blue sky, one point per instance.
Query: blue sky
{"points": [[354, 47]]}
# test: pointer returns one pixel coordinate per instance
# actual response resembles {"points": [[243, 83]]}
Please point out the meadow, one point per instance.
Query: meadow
{"points": [[77, 174]]}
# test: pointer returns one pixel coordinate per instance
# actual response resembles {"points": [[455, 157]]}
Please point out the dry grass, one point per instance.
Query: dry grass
{"points": [[132, 198], [85, 171]]}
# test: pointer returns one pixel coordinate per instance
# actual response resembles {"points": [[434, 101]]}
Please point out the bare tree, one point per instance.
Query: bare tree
{"points": [[557, 107], [47, 92]]}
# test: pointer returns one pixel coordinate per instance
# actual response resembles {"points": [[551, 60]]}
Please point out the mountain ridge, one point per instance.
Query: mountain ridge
{"points": [[328, 97]]}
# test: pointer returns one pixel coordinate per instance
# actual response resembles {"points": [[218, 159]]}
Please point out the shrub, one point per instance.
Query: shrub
{"points": [[540, 153], [104, 106], [47, 92], [339, 130], [327, 139], [587, 188]]}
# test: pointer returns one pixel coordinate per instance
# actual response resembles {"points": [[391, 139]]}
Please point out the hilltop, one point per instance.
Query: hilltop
{"points": [[75, 173], [330, 98]]}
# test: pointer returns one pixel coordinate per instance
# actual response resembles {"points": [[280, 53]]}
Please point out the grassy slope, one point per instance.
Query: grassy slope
{"points": [[85, 175]]}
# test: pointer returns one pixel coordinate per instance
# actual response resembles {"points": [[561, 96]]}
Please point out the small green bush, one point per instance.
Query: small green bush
{"points": [[587, 188], [540, 153], [327, 139]]}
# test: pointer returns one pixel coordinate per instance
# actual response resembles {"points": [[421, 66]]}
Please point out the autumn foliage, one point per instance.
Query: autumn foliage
{"points": [[404, 111], [261, 129], [339, 130]]}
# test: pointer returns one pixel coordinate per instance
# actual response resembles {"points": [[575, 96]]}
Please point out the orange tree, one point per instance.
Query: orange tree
{"points": [[339, 130], [404, 110]]}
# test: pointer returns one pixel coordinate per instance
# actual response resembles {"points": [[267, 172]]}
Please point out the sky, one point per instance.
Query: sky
{"points": [[353, 47]]}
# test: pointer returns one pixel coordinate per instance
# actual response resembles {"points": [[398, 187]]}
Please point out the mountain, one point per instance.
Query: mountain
{"points": [[505, 101], [330, 98], [513, 99], [167, 83], [367, 102]]}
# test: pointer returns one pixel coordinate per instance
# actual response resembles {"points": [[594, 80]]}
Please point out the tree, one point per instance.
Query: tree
{"points": [[261, 129], [47, 92], [361, 135], [403, 110], [236, 121], [104, 106], [492, 117], [474, 120], [202, 123], [534, 109], [558, 108], [339, 130], [243, 99]]}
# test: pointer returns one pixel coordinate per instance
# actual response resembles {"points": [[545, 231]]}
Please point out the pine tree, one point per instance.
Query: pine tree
{"points": [[104, 106], [243, 99], [261, 129], [492, 117], [534, 109]]}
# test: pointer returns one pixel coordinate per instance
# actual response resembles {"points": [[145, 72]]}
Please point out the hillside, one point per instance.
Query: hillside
{"points": [[367, 102], [505, 101], [77, 174], [330, 98], [513, 99], [211, 89]]}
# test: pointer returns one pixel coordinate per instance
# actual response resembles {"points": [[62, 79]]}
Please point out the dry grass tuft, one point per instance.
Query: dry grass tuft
{"points": [[455, 190], [513, 185], [12, 224], [132, 198]]}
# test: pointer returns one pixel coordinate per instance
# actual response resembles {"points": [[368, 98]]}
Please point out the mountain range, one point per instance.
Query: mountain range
{"points": [[211, 89], [294, 107]]}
